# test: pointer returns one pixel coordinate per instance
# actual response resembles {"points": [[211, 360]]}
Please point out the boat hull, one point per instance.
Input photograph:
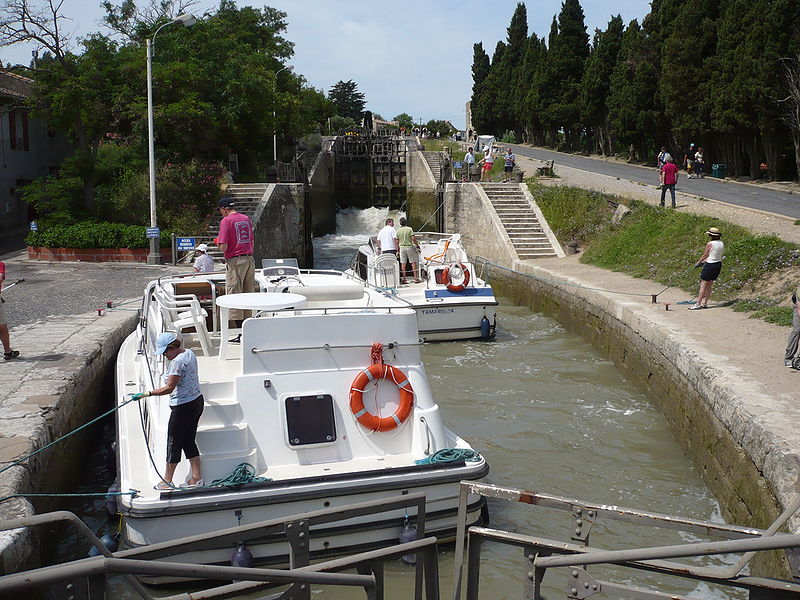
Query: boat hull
{"points": [[439, 323]]}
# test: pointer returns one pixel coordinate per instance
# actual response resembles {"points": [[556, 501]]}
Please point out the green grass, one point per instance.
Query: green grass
{"points": [[766, 309], [434, 145], [663, 245]]}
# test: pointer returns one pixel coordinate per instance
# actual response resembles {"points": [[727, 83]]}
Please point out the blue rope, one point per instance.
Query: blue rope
{"points": [[448, 455], [69, 495], [242, 474], [63, 437]]}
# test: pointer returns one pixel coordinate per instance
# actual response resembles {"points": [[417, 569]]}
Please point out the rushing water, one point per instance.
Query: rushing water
{"points": [[550, 414]]}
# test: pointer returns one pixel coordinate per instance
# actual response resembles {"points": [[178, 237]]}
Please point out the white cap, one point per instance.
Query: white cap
{"points": [[202, 248]]}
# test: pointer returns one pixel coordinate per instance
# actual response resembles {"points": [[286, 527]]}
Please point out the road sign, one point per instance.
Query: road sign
{"points": [[458, 164], [153, 232], [185, 243]]}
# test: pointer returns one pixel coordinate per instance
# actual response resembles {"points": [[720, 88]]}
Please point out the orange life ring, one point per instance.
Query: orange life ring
{"points": [[448, 280], [366, 418]]}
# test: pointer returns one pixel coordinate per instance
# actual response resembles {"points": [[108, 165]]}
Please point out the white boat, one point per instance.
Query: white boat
{"points": [[452, 302], [286, 400]]}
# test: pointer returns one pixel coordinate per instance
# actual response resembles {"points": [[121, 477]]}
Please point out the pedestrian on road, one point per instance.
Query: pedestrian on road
{"points": [[711, 261], [508, 165], [488, 162], [794, 334], [5, 338], [182, 383], [469, 162], [203, 263], [236, 242], [409, 251], [669, 177], [699, 164], [387, 238], [688, 159]]}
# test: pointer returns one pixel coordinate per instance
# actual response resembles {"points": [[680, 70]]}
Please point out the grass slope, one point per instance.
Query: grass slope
{"points": [[663, 245]]}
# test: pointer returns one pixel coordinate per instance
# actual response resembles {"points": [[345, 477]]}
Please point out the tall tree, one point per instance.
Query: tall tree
{"points": [[347, 100], [566, 59], [512, 69], [528, 103], [480, 71], [596, 83]]}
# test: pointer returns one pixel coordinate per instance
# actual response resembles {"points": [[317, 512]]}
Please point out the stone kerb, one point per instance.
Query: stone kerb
{"points": [[94, 254], [740, 439], [56, 387]]}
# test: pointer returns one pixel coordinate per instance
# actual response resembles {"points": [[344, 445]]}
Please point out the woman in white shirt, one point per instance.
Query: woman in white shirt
{"points": [[711, 261]]}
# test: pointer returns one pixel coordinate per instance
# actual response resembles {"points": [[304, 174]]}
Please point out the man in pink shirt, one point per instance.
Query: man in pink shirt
{"points": [[8, 353], [669, 177], [236, 243]]}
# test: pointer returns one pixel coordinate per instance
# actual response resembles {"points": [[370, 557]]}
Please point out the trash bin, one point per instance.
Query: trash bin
{"points": [[474, 173], [719, 171], [519, 176]]}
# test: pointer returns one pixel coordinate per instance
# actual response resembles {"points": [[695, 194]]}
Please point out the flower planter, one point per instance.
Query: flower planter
{"points": [[94, 254]]}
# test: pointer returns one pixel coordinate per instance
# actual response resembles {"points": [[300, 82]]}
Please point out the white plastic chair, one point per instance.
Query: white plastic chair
{"points": [[386, 271], [182, 312]]}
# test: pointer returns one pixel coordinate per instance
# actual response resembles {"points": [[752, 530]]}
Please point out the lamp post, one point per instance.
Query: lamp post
{"points": [[275, 127], [187, 20]]}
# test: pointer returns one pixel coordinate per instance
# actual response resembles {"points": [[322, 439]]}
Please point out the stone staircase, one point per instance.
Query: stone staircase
{"points": [[248, 196], [435, 162], [520, 221]]}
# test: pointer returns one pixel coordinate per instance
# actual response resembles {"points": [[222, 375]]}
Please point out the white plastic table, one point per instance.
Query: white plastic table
{"points": [[251, 301]]}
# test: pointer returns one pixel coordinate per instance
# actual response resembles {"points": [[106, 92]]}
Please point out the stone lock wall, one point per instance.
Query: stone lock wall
{"points": [[280, 225], [699, 410]]}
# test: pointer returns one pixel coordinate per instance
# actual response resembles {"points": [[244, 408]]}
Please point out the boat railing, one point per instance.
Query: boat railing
{"points": [[388, 346], [541, 554], [301, 575]]}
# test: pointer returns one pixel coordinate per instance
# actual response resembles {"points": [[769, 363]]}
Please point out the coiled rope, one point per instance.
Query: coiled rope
{"points": [[449, 455], [242, 474]]}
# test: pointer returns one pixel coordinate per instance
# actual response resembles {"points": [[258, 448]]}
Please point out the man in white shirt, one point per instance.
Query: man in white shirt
{"points": [[387, 238]]}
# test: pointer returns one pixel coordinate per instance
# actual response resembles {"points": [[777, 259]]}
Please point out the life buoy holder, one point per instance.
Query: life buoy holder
{"points": [[366, 418], [463, 274]]}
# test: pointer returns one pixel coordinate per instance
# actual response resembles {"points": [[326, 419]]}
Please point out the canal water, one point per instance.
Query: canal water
{"points": [[551, 415]]}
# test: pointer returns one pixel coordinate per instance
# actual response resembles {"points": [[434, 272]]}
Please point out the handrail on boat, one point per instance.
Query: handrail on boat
{"points": [[388, 346]]}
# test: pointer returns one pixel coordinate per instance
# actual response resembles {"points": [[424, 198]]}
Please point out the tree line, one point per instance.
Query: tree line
{"points": [[722, 74]]}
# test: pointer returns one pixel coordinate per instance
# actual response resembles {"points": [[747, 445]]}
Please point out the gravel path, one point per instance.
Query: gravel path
{"points": [[754, 219], [72, 288]]}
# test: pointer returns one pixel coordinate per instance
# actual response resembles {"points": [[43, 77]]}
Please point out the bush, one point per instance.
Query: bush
{"points": [[93, 235]]}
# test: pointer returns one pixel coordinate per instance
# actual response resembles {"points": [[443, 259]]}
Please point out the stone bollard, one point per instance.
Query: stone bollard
{"points": [[519, 176], [572, 247]]}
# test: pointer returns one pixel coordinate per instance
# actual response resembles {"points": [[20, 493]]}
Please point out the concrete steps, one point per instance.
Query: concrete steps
{"points": [[519, 220], [248, 197], [434, 160]]}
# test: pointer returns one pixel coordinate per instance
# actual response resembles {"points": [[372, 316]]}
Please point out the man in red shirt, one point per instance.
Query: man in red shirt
{"points": [[669, 177], [236, 243], [8, 353]]}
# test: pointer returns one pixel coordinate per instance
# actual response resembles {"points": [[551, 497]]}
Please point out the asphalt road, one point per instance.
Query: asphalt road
{"points": [[72, 288], [751, 196]]}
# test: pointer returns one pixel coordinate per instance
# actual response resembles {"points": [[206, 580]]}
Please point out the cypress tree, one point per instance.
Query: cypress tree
{"points": [[514, 68], [596, 83], [529, 105], [480, 70]]}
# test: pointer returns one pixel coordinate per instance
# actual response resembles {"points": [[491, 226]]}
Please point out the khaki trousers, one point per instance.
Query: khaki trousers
{"points": [[240, 278]]}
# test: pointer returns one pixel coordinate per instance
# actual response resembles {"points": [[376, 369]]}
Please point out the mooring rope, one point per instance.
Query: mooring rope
{"points": [[242, 474], [449, 455]]}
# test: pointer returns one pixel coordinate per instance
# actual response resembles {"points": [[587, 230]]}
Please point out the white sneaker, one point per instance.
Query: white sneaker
{"points": [[787, 362]]}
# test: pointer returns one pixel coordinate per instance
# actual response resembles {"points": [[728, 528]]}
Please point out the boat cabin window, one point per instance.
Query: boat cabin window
{"points": [[361, 265], [310, 420], [438, 275]]}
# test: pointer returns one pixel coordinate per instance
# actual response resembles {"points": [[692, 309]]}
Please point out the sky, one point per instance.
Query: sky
{"points": [[412, 56]]}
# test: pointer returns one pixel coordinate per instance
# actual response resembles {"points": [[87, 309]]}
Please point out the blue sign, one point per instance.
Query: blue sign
{"points": [[153, 232], [458, 164], [185, 243], [34, 226]]}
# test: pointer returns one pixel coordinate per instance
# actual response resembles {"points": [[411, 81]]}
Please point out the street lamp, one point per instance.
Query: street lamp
{"points": [[275, 127], [187, 20]]}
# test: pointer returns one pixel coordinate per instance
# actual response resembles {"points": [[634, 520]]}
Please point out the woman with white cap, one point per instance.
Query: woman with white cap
{"points": [[203, 263], [182, 383], [711, 261]]}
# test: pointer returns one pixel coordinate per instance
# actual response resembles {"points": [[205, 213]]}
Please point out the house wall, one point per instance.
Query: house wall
{"points": [[30, 154]]}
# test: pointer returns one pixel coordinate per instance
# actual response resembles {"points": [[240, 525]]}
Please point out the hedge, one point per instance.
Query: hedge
{"points": [[93, 235]]}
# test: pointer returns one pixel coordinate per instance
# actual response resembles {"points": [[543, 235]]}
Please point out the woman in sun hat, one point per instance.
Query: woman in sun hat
{"points": [[203, 263], [711, 261], [182, 383]]}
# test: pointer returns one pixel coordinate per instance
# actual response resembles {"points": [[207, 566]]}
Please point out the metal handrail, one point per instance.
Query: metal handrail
{"points": [[388, 346], [539, 550]]}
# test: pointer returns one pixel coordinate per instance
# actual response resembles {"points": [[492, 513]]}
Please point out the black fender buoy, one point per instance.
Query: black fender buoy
{"points": [[241, 557], [109, 541], [486, 328], [408, 533]]}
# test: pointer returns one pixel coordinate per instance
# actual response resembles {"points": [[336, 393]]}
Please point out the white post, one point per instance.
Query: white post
{"points": [[154, 258], [274, 140]]}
